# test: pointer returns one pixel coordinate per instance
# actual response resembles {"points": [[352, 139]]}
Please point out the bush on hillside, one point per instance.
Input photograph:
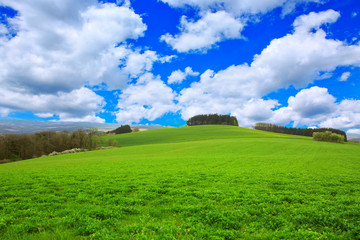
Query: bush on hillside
{"points": [[328, 137], [113, 143], [207, 119], [122, 129]]}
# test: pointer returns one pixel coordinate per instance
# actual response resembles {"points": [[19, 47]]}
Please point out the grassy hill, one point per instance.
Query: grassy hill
{"points": [[203, 182], [194, 133]]}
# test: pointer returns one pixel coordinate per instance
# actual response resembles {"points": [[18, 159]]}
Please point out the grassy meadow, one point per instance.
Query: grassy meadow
{"points": [[203, 182]]}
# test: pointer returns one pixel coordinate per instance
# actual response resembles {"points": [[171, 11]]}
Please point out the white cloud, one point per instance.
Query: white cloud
{"points": [[211, 96], [309, 107], [44, 115], [220, 20], [354, 131], [87, 118], [299, 58], [255, 110], [296, 59], [80, 104], [125, 3], [240, 7], [204, 33], [137, 64], [179, 76], [312, 102], [315, 106], [347, 115], [62, 45], [149, 98], [4, 111], [3, 29], [306, 23], [345, 76]]}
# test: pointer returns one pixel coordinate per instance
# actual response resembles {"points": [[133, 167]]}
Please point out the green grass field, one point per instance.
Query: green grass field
{"points": [[186, 134], [205, 182]]}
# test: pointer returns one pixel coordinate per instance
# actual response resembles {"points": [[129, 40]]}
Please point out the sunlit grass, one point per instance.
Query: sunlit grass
{"points": [[212, 182]]}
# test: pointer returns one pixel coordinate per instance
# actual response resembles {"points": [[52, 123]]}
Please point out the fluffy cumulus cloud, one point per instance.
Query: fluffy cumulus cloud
{"points": [[237, 7], [78, 105], [213, 95], [179, 76], [148, 99], [312, 102], [137, 63], [314, 20], [347, 116], [134, 63], [61, 45], [219, 20], [308, 107], [204, 33], [3, 30], [296, 59], [299, 58], [51, 50], [255, 110], [316, 106]]}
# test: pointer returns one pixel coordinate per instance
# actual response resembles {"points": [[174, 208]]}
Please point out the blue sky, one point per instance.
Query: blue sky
{"points": [[288, 62]]}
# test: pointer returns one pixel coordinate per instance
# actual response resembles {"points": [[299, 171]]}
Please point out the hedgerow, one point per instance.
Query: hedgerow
{"points": [[328, 137]]}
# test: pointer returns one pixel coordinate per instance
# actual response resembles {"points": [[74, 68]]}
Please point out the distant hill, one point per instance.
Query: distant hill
{"points": [[26, 126]]}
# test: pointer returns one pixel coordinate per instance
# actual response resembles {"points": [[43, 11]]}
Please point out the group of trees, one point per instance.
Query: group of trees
{"points": [[15, 147], [24, 146], [296, 131], [328, 136], [207, 119], [122, 129]]}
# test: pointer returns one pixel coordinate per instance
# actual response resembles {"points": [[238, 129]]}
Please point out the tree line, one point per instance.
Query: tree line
{"points": [[207, 119], [296, 131], [15, 147]]}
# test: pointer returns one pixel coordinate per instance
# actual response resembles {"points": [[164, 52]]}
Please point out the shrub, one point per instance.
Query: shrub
{"points": [[136, 129], [122, 129], [113, 143], [328, 137]]}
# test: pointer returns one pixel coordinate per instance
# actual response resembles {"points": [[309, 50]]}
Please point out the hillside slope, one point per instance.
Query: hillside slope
{"points": [[258, 186], [193, 133]]}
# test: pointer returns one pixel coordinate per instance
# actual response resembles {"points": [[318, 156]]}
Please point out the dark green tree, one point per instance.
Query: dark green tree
{"points": [[206, 119], [122, 129]]}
